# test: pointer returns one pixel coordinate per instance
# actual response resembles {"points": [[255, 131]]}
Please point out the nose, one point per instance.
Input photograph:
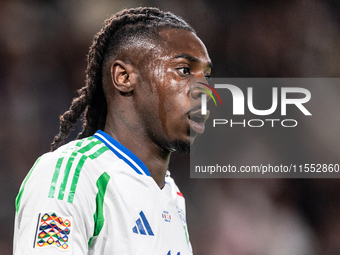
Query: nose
{"points": [[199, 88]]}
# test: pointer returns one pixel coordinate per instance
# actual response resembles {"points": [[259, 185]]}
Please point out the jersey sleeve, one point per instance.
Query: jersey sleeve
{"points": [[181, 207], [52, 217]]}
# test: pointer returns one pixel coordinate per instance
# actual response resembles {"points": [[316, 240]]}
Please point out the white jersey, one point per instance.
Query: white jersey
{"points": [[94, 196]]}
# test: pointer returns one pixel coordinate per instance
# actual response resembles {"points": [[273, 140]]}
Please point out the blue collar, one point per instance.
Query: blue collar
{"points": [[123, 153]]}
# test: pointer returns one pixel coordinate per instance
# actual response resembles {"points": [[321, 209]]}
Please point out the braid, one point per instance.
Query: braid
{"points": [[91, 102]]}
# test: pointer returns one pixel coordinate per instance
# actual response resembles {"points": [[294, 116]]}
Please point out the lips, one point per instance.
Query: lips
{"points": [[197, 121]]}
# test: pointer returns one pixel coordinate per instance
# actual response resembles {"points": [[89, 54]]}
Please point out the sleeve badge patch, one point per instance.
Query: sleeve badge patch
{"points": [[53, 230]]}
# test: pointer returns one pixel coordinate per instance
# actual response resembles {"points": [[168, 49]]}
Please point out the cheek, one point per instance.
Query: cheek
{"points": [[173, 100], [175, 96], [175, 111]]}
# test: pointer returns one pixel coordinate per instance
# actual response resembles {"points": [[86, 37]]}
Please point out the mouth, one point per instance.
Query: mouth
{"points": [[197, 121]]}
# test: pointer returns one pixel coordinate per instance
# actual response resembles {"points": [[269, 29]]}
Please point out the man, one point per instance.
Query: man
{"points": [[109, 192]]}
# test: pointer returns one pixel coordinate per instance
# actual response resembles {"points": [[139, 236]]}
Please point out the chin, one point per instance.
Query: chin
{"points": [[183, 147]]}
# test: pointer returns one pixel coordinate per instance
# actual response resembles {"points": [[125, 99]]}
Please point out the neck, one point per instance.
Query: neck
{"points": [[155, 158]]}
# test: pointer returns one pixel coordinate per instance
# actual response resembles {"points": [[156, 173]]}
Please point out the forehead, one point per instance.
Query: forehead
{"points": [[179, 41]]}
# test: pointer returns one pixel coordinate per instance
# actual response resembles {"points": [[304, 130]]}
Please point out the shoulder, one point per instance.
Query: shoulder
{"points": [[63, 184], [88, 147], [67, 159], [73, 169]]}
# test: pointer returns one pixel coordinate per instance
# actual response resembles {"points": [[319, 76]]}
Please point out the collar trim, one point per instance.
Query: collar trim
{"points": [[123, 153]]}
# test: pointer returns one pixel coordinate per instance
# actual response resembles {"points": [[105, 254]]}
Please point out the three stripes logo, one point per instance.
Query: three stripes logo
{"points": [[204, 97], [142, 226], [70, 164], [169, 253]]}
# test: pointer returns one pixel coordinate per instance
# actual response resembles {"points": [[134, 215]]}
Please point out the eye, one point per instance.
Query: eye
{"points": [[184, 70]]}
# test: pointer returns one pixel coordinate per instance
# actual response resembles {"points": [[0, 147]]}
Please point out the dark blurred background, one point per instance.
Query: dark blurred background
{"points": [[43, 47]]}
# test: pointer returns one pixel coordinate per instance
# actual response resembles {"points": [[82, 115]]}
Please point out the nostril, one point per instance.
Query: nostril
{"points": [[200, 95], [196, 93]]}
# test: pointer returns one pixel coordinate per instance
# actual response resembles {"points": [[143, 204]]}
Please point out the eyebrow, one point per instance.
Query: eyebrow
{"points": [[191, 58]]}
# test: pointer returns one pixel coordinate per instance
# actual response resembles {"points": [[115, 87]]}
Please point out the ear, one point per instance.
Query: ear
{"points": [[124, 77]]}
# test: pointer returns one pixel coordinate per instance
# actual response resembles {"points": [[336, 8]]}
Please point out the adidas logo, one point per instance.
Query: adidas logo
{"points": [[142, 224], [169, 253]]}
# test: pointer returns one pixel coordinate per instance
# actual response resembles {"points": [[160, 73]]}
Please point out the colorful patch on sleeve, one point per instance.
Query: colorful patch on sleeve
{"points": [[53, 230]]}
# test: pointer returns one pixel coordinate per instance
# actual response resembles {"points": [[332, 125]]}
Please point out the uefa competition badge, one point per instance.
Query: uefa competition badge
{"points": [[53, 230]]}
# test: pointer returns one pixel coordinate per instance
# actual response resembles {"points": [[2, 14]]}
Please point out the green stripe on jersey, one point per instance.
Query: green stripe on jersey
{"points": [[57, 168], [98, 217], [83, 148], [66, 174], [18, 198], [78, 169], [69, 165]]}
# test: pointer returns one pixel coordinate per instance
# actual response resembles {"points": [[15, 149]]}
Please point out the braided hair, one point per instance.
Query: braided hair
{"points": [[119, 30]]}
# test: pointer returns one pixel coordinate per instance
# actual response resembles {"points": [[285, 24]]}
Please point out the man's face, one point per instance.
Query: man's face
{"points": [[169, 105]]}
